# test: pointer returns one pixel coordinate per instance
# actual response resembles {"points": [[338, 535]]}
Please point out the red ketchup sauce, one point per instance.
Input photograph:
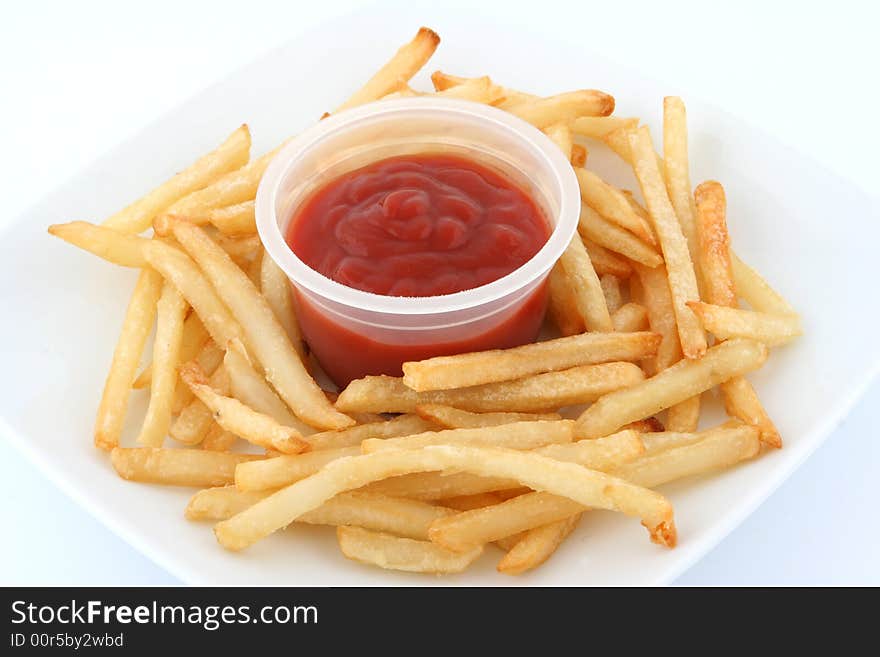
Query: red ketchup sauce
{"points": [[415, 226]]}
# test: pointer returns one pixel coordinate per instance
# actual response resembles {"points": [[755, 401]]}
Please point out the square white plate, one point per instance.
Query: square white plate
{"points": [[812, 235]]}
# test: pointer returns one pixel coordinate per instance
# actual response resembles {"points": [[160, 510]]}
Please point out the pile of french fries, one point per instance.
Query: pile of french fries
{"points": [[507, 448]]}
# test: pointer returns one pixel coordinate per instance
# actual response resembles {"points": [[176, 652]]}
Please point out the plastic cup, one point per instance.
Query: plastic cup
{"points": [[354, 333]]}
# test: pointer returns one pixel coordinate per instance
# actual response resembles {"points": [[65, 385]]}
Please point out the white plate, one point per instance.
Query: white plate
{"points": [[811, 234]]}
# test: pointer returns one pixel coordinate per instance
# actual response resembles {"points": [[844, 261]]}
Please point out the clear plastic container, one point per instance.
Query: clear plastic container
{"points": [[354, 333]]}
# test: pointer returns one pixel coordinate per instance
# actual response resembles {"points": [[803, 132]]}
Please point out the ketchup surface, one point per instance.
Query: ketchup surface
{"points": [[416, 226]]}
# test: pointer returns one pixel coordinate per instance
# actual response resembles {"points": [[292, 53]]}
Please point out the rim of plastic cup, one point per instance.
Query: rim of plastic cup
{"points": [[276, 246]]}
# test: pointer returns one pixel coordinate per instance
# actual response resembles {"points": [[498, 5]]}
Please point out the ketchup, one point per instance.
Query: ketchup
{"points": [[415, 226]]}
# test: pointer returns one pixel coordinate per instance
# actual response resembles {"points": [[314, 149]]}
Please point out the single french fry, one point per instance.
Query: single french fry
{"points": [[516, 435], [405, 63], [578, 385], [221, 502], [618, 141], [403, 425], [611, 291], [178, 268], [248, 386], [445, 82], [434, 486], [605, 261], [218, 439], [610, 202], [177, 467], [194, 337], [561, 305], [209, 358], [684, 416], [483, 367], [166, 356], [725, 323], [630, 318], [596, 228], [671, 386], [578, 155], [560, 134], [587, 291], [234, 220], [136, 327], [536, 546], [587, 487], [677, 173], [395, 553], [657, 300], [255, 427], [598, 454], [107, 243], [195, 420], [454, 418], [476, 90], [266, 337], [597, 127], [230, 155], [284, 470], [741, 401], [275, 287], [470, 502], [679, 266], [755, 291], [660, 441], [543, 112]]}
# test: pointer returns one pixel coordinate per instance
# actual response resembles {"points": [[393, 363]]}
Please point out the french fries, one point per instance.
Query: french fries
{"points": [[136, 327], [536, 546], [585, 287], [599, 126], [677, 172], [541, 392], [166, 354], [194, 337], [266, 337], [679, 266], [685, 415], [542, 112], [106, 243], [234, 220], [561, 305], [605, 261], [755, 291], [630, 318], [195, 420], [454, 418], [275, 286], [588, 487], [725, 323], [405, 63], [671, 386], [611, 292], [596, 228], [230, 155], [612, 205], [463, 370], [395, 553], [177, 467], [516, 435]]}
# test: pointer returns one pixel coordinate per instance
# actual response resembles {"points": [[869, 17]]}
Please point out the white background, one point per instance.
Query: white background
{"points": [[77, 78]]}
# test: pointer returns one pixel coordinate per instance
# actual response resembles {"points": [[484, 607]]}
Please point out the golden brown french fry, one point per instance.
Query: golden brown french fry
{"points": [[218, 439], [433, 486], [741, 401], [578, 155], [610, 202], [516, 435], [248, 386], [560, 133], [596, 228], [561, 304], [470, 502], [755, 291], [266, 337], [454, 418], [584, 283], [476, 90], [605, 261], [255, 427], [618, 141], [725, 323], [611, 291], [209, 358], [192, 424], [684, 416], [177, 467], [650, 424], [107, 243], [221, 502], [671, 386], [136, 327], [395, 553], [536, 546], [587, 487], [405, 63], [445, 82], [275, 287], [660, 441], [679, 266], [578, 385], [598, 454], [561, 108], [677, 173], [194, 337], [281, 471], [171, 309], [658, 302], [597, 127], [230, 155], [178, 268], [234, 220], [630, 318], [403, 425], [483, 367]]}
